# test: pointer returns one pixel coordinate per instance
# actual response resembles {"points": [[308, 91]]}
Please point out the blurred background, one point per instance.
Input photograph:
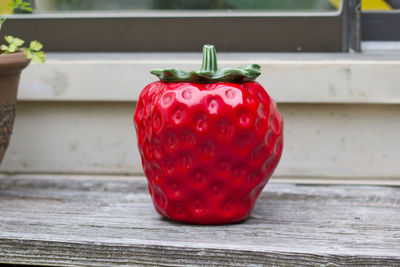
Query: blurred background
{"points": [[253, 5], [269, 26], [68, 5]]}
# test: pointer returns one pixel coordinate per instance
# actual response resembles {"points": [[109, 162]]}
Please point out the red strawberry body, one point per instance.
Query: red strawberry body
{"points": [[207, 149]]}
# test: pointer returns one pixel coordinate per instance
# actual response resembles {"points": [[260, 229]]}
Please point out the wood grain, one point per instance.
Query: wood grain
{"points": [[105, 222]]}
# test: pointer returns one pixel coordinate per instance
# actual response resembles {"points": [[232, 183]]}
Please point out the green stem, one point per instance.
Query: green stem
{"points": [[2, 19], [209, 72], [209, 59]]}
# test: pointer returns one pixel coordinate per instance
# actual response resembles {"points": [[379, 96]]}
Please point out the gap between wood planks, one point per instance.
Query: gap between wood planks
{"points": [[378, 181]]}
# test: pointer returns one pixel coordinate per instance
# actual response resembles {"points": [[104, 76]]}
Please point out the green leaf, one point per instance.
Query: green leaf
{"points": [[38, 57], [14, 40], [4, 47], [28, 53], [35, 45], [18, 42], [12, 48], [9, 39], [15, 4], [26, 6]]}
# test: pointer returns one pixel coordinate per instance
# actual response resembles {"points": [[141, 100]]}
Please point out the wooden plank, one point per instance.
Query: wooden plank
{"points": [[106, 222]]}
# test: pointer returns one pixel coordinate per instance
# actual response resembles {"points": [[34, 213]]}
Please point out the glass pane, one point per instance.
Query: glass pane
{"points": [[234, 5], [380, 5]]}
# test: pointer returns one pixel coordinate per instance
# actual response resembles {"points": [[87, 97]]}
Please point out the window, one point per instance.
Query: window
{"points": [[177, 25], [381, 20], [232, 25]]}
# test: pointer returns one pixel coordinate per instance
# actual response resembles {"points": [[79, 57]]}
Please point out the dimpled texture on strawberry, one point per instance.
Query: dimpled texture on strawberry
{"points": [[207, 150]]}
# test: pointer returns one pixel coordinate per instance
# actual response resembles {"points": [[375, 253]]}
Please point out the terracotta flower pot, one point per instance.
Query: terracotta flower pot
{"points": [[11, 66]]}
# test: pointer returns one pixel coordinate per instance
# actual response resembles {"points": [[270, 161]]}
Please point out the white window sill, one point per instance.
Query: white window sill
{"points": [[369, 77]]}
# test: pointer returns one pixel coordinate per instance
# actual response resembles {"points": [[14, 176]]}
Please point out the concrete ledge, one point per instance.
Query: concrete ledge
{"points": [[289, 78], [321, 140]]}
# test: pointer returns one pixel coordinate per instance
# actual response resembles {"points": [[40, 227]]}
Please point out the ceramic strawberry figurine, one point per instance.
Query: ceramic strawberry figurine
{"points": [[209, 141]]}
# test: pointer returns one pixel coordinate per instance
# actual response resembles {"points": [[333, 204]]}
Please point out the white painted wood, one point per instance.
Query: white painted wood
{"points": [[392, 47], [289, 78], [326, 140], [58, 221], [73, 138]]}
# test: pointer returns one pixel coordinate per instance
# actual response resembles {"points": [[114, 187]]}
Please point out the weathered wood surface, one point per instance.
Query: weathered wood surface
{"points": [[50, 221]]}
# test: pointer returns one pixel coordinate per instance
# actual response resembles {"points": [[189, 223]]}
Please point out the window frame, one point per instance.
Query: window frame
{"points": [[186, 31], [381, 25]]}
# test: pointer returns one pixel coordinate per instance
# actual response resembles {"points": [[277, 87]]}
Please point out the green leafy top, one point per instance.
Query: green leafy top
{"points": [[15, 44], [32, 52], [209, 72]]}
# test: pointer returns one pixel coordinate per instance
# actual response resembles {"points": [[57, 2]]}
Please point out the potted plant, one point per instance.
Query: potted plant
{"points": [[14, 57]]}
